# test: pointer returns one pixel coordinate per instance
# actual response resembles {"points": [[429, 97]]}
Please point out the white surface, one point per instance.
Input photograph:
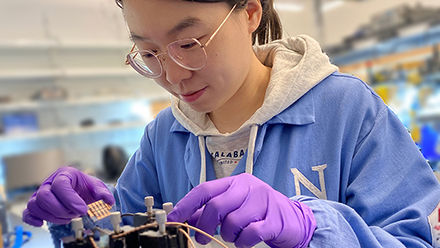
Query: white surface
{"points": [[214, 244], [60, 132], [30, 105], [40, 235]]}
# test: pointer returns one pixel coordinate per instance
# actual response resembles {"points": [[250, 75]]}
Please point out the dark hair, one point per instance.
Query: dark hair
{"points": [[270, 25]]}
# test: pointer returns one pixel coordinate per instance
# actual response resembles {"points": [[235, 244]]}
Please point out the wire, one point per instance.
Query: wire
{"points": [[93, 242], [188, 237], [198, 230], [134, 230], [169, 223], [105, 231]]}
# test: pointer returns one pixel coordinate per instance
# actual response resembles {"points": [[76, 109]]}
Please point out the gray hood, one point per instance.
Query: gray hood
{"points": [[298, 64]]}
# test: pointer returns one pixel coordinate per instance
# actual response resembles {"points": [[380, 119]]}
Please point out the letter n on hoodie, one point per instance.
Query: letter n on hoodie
{"points": [[300, 178]]}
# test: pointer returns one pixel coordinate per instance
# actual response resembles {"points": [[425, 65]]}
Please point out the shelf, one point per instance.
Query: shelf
{"points": [[27, 44], [29, 74], [113, 99], [99, 72], [433, 77], [32, 105], [53, 44], [63, 132], [94, 75], [70, 73], [414, 37], [96, 46], [430, 114], [34, 135]]}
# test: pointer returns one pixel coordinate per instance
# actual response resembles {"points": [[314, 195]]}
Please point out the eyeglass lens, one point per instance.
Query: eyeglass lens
{"points": [[188, 53], [148, 62]]}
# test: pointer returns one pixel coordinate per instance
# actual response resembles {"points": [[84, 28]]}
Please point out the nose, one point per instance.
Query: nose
{"points": [[174, 72]]}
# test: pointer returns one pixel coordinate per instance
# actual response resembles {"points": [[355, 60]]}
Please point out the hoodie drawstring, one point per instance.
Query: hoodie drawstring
{"points": [[203, 159], [251, 149], [249, 159]]}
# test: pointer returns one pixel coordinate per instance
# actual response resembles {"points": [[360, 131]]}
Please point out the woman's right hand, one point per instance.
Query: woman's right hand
{"points": [[64, 196]]}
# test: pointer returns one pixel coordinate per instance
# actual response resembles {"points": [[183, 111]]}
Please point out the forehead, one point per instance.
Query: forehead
{"points": [[159, 17]]}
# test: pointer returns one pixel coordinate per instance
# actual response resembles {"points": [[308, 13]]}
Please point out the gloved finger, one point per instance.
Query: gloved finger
{"points": [[217, 209], [253, 234], [35, 210], [99, 191], [198, 197], [49, 202], [195, 217], [274, 226], [253, 209], [30, 219], [62, 188], [290, 231]]}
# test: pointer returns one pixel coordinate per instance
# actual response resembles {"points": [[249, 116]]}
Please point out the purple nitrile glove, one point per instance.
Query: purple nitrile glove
{"points": [[249, 211], [64, 196]]}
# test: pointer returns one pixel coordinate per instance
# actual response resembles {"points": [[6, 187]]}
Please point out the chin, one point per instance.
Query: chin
{"points": [[200, 108]]}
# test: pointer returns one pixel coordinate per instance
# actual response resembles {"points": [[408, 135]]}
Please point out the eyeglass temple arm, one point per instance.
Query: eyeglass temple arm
{"points": [[221, 25], [132, 49]]}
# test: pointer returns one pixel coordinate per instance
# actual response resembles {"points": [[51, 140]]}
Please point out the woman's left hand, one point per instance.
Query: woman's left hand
{"points": [[249, 212]]}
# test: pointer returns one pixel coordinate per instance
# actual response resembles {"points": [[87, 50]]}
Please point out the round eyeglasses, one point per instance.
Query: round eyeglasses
{"points": [[188, 53]]}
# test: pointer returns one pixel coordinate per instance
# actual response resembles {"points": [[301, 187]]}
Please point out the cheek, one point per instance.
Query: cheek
{"points": [[162, 82], [219, 65], [228, 65], [212, 71]]}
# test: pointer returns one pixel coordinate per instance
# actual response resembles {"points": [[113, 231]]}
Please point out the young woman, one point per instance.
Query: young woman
{"points": [[282, 148]]}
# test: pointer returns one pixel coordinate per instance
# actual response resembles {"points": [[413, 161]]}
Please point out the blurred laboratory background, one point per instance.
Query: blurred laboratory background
{"points": [[67, 98]]}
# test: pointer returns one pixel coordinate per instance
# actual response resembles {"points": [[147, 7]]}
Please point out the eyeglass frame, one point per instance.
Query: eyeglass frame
{"points": [[119, 3], [128, 58]]}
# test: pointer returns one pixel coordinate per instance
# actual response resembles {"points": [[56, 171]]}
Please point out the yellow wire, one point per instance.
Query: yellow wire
{"points": [[188, 237], [134, 230], [171, 223], [93, 242], [198, 230]]}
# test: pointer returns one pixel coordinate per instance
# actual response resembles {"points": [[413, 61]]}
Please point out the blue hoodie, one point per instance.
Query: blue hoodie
{"points": [[321, 137]]}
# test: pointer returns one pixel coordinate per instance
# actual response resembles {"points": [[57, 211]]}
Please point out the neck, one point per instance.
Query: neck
{"points": [[248, 98]]}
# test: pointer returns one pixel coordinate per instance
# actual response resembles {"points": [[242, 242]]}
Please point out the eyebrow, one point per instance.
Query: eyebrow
{"points": [[185, 23]]}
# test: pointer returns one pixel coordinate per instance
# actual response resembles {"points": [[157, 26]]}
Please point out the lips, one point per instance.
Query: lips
{"points": [[191, 97]]}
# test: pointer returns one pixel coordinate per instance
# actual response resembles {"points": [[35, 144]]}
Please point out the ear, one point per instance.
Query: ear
{"points": [[254, 12]]}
